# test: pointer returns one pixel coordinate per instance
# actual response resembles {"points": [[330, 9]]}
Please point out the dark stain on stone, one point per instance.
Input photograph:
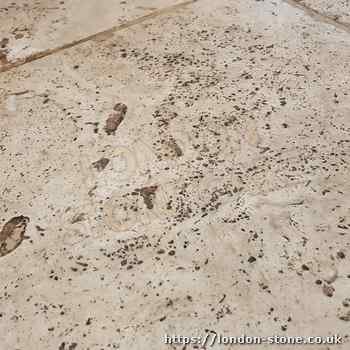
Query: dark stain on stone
{"points": [[78, 218], [115, 119], [328, 290], [95, 125], [40, 230], [345, 317], [175, 147], [3, 43], [305, 267], [12, 234], [91, 191], [251, 259], [101, 164], [4, 51], [148, 194], [72, 346], [3, 57], [222, 299]]}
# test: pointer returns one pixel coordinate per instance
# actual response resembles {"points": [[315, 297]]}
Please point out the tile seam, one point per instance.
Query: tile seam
{"points": [[45, 53], [317, 15]]}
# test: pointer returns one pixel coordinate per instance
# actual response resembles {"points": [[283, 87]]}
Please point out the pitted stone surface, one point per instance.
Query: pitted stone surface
{"points": [[219, 203], [337, 10], [28, 27]]}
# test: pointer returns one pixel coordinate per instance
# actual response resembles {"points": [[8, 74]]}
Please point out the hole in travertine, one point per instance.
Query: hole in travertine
{"points": [[12, 234]]}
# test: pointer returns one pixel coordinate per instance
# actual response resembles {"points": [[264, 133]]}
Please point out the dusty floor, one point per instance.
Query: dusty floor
{"points": [[184, 171]]}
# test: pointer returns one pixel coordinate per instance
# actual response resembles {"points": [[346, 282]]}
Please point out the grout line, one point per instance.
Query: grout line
{"points": [[42, 54], [318, 16]]}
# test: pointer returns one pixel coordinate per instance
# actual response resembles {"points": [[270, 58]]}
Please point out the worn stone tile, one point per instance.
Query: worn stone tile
{"points": [[337, 10], [32, 26], [218, 203]]}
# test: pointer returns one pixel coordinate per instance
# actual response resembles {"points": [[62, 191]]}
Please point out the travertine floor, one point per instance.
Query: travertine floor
{"points": [[337, 10], [184, 174]]}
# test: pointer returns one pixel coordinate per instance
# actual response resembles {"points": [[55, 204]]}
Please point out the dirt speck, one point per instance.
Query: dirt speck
{"points": [[328, 290], [101, 164], [115, 119], [78, 218], [345, 317], [148, 194], [175, 147]]}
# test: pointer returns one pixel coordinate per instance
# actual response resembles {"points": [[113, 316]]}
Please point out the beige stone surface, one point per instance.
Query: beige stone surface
{"points": [[36, 25], [338, 10], [218, 205]]}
